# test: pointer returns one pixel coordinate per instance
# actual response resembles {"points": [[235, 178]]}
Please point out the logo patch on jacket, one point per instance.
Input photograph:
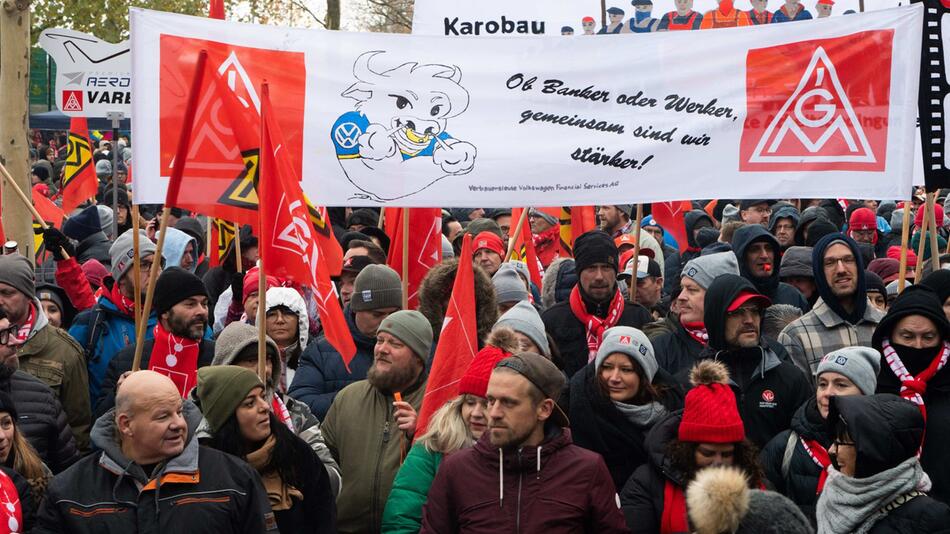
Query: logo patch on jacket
{"points": [[768, 399]]}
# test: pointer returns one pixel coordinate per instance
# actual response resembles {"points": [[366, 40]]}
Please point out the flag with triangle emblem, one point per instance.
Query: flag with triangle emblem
{"points": [[79, 175]]}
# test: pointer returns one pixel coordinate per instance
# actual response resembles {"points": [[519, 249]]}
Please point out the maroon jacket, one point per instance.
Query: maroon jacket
{"points": [[554, 488]]}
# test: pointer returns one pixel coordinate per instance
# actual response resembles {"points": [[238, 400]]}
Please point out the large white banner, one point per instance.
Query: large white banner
{"points": [[823, 109]]}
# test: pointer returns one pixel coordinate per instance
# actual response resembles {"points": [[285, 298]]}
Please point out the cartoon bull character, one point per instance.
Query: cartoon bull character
{"points": [[395, 143]]}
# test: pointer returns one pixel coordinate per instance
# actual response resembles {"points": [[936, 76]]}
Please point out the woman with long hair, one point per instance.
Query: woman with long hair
{"points": [[458, 424], [237, 409], [707, 432], [17, 457]]}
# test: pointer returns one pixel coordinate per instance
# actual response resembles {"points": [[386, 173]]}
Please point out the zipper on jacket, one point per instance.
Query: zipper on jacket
{"points": [[379, 460]]}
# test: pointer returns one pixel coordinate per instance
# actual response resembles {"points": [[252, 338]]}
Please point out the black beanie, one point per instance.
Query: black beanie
{"points": [[915, 300], [819, 229], [6, 405], [83, 224], [175, 285], [594, 247]]}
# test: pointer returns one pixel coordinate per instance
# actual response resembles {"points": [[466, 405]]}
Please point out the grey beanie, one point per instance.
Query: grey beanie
{"points": [[412, 328], [509, 287], [103, 168], [632, 342], [447, 250], [523, 318], [860, 364], [626, 208], [704, 269], [105, 218], [121, 252], [17, 271], [897, 220], [797, 262], [377, 286], [550, 219]]}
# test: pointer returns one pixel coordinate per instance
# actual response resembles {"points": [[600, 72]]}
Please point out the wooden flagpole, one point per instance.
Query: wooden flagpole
{"points": [[238, 260], [209, 233], [28, 202], [405, 258], [137, 271], [905, 237], [514, 236], [632, 289], [174, 185], [932, 221]]}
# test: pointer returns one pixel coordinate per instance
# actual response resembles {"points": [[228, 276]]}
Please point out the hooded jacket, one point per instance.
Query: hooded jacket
{"points": [[676, 350], [290, 298], [192, 227], [559, 279], [305, 424], [768, 390], [935, 457], [691, 218], [436, 289], [201, 488], [322, 373], [784, 211], [808, 216], [95, 246], [41, 418], [597, 424], [552, 488], [570, 334], [771, 286], [176, 242]]}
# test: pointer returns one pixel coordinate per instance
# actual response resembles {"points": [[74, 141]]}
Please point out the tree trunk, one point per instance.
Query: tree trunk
{"points": [[333, 14], [14, 148]]}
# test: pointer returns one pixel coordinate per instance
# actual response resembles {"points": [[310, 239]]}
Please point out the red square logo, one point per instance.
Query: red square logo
{"points": [[72, 100], [818, 105]]}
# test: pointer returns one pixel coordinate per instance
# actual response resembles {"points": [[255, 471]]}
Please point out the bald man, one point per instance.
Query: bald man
{"points": [[152, 476]]}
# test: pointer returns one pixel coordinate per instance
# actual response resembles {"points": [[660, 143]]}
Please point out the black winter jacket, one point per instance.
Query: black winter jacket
{"points": [[801, 481], [571, 336], [676, 350], [41, 418], [597, 425], [777, 291], [95, 247], [920, 515], [122, 362]]}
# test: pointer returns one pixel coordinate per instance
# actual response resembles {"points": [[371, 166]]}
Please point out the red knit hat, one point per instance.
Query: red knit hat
{"points": [[894, 252], [710, 414], [475, 379], [490, 241], [919, 218], [863, 219], [251, 281]]}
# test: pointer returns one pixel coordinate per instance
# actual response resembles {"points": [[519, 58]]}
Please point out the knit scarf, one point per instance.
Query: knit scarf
{"points": [[10, 509], [697, 331], [594, 325], [175, 357], [547, 236], [673, 520], [279, 494], [641, 416], [914, 387], [819, 455], [124, 304], [853, 505], [282, 413], [23, 332]]}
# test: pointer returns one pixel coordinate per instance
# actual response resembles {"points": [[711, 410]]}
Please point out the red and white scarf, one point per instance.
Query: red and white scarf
{"points": [[9, 506], [282, 413], [23, 332], [175, 357], [914, 387], [594, 325], [125, 305], [819, 455], [697, 331]]}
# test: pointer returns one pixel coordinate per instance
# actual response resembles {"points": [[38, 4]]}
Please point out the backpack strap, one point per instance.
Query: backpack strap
{"points": [[89, 347], [789, 451]]}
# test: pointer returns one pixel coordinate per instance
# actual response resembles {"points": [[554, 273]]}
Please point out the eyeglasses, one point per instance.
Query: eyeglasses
{"points": [[848, 261], [753, 312], [839, 443], [7, 332]]}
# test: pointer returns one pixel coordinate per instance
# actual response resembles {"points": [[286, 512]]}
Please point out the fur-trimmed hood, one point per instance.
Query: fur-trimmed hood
{"points": [[559, 278], [436, 289]]}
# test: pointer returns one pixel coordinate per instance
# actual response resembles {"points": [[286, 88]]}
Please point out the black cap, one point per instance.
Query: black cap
{"points": [[594, 247], [175, 285], [355, 264], [748, 203]]}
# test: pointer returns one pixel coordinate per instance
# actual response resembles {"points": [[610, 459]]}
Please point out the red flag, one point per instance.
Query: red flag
{"points": [[51, 213], [672, 217], [524, 247], [79, 173], [288, 247], [575, 220], [425, 246], [216, 9], [458, 342]]}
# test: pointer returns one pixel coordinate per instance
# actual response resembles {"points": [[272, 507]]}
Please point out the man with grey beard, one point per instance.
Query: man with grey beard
{"points": [[371, 423]]}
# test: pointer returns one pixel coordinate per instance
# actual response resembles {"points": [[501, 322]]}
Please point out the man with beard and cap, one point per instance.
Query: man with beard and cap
{"points": [[151, 475], [678, 349], [595, 303], [368, 424], [42, 350], [182, 339], [755, 211], [782, 224], [526, 460], [842, 316], [321, 374], [615, 220], [768, 389], [914, 340], [757, 252]]}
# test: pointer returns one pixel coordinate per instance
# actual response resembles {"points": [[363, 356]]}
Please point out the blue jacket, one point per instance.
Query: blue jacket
{"points": [[115, 331], [321, 373]]}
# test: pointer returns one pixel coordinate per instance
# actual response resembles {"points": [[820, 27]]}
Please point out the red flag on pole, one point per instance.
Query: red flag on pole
{"points": [[524, 248], [458, 342], [79, 174], [216, 9], [50, 212], [425, 245], [288, 247], [672, 217]]}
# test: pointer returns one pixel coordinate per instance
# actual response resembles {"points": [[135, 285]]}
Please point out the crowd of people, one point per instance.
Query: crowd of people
{"points": [[768, 376]]}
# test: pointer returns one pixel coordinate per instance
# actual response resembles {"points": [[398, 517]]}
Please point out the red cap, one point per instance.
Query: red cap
{"points": [[862, 219], [251, 280], [919, 218], [490, 241], [746, 296], [475, 379], [710, 415], [826, 2], [587, 19]]}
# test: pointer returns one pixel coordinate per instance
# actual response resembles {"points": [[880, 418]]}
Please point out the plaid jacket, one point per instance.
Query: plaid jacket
{"points": [[821, 331]]}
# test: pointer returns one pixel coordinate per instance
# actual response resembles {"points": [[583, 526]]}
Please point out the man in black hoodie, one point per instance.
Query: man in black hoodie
{"points": [[757, 253], [768, 390], [842, 316]]}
